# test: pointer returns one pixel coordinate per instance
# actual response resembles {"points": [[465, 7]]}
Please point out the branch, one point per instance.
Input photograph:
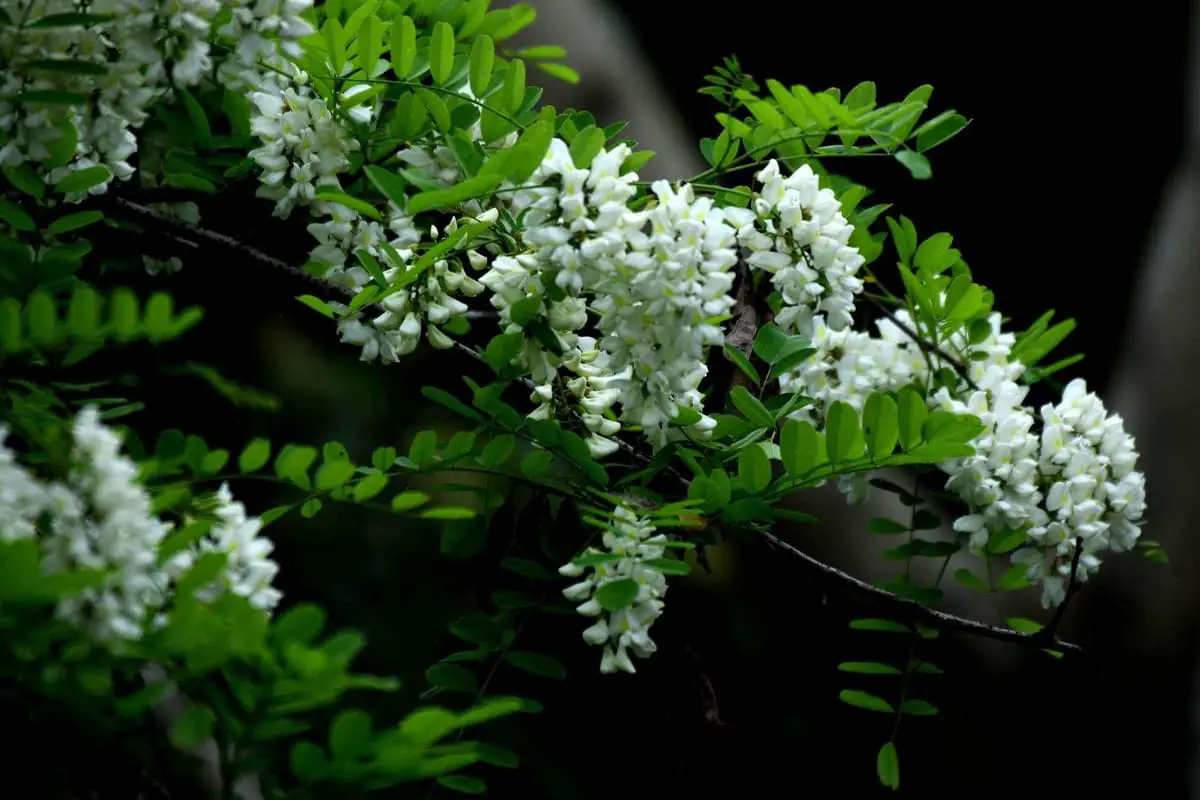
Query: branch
{"points": [[1043, 638], [1072, 587]]}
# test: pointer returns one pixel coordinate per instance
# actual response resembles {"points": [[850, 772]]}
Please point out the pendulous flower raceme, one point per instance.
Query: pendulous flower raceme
{"points": [[623, 567]]}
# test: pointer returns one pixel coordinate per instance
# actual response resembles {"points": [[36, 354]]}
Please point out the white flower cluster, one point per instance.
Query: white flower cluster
{"points": [[1094, 498], [248, 572], [101, 518], [425, 304], [1074, 485], [134, 48], [628, 545], [304, 148], [796, 232], [661, 308]]}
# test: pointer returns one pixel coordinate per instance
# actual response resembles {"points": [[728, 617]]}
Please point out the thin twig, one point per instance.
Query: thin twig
{"points": [[928, 347], [1072, 587], [1043, 638]]}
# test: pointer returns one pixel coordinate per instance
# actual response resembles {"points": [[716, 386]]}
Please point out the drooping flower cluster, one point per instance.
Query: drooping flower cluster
{"points": [[248, 571], [304, 148], [796, 231], [101, 518], [1094, 498], [630, 542], [661, 306]]}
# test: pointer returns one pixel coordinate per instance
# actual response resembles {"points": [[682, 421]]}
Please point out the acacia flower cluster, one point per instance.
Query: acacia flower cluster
{"points": [[131, 53], [101, 518], [631, 544]]}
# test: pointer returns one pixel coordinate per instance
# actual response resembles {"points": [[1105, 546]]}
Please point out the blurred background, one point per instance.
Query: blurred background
{"points": [[1075, 188]]}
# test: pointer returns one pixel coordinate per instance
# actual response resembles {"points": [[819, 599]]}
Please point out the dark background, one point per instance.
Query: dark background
{"points": [[1050, 192]]}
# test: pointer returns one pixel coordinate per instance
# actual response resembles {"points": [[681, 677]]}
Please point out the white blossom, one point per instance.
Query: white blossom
{"points": [[633, 540]]}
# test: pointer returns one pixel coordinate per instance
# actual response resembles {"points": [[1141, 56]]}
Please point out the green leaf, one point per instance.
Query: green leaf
{"points": [[1022, 625], [916, 163], [196, 115], [406, 501], [193, 727], [618, 594], [404, 46], [497, 452], [466, 784], [350, 734], [16, 216], [70, 20], [1005, 541], [868, 668], [527, 569], [970, 580], [388, 183], [452, 677], [72, 222], [316, 304], [754, 469], [447, 400], [751, 408], [26, 179], [800, 447], [477, 629], [370, 41], [883, 625], [441, 52], [668, 566], [453, 195], [560, 71], [483, 58], [865, 701], [333, 474], [739, 358], [42, 317], [886, 526], [83, 179], [881, 421], [370, 486], [293, 461], [843, 436], [747, 510], [536, 663], [307, 761], [887, 766], [536, 464], [502, 349], [586, 146], [254, 456], [918, 708], [513, 93], [449, 512], [83, 314], [939, 129], [497, 756], [352, 203], [912, 416]]}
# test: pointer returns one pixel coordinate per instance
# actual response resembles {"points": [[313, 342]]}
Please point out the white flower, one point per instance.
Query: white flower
{"points": [[248, 572], [633, 541]]}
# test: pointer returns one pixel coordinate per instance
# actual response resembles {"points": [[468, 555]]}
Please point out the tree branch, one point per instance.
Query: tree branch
{"points": [[949, 622]]}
